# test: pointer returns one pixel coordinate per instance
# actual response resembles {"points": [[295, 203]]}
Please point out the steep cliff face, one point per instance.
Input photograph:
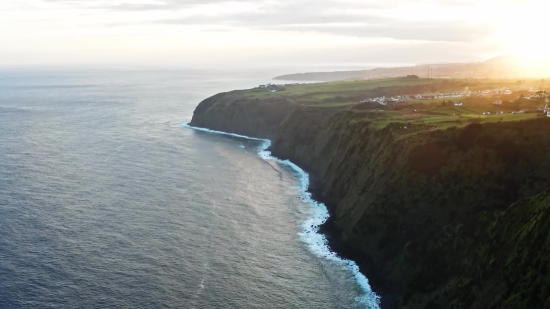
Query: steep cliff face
{"points": [[387, 189], [498, 260], [231, 112], [400, 197]]}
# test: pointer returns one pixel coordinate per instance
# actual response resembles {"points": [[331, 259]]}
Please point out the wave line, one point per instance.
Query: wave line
{"points": [[316, 242]]}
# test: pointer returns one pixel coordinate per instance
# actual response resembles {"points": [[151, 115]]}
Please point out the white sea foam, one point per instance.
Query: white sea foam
{"points": [[316, 242], [186, 125]]}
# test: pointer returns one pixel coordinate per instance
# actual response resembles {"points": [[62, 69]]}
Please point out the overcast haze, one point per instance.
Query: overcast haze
{"points": [[264, 33]]}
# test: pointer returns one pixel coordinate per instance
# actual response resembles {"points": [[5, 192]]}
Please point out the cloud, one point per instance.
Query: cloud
{"points": [[347, 18], [126, 5], [403, 31], [255, 32], [165, 5], [422, 20]]}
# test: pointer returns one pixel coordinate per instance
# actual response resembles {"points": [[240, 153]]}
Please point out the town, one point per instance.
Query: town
{"points": [[421, 103], [533, 94]]}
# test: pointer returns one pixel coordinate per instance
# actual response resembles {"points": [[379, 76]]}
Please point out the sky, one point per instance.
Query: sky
{"points": [[266, 33]]}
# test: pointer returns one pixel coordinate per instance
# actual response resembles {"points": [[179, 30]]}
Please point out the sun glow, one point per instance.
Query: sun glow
{"points": [[522, 26], [525, 30], [234, 32]]}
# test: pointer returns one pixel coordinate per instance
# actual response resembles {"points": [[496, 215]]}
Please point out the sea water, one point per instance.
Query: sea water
{"points": [[107, 201]]}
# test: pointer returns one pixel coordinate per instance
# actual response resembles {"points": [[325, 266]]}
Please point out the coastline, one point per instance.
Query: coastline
{"points": [[398, 201], [382, 288], [318, 232]]}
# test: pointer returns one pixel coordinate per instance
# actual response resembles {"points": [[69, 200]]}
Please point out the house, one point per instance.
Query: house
{"points": [[499, 112], [487, 113], [458, 104], [499, 102], [548, 113]]}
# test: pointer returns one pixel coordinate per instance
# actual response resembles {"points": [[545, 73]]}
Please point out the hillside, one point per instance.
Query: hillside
{"points": [[405, 195], [497, 260]]}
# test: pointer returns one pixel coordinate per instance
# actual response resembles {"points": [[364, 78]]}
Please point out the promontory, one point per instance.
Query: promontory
{"points": [[437, 188]]}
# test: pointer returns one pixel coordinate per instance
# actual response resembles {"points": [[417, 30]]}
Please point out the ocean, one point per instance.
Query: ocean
{"points": [[108, 200]]}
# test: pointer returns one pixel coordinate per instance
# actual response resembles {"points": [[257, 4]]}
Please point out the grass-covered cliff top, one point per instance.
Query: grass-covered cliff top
{"points": [[437, 112]]}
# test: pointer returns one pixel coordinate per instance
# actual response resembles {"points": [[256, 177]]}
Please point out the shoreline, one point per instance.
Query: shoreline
{"points": [[318, 231], [388, 298]]}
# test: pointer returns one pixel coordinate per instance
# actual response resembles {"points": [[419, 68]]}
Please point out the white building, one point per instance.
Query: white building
{"points": [[458, 104]]}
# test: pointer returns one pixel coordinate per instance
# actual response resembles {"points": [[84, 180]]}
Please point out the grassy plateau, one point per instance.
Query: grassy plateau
{"points": [[437, 113]]}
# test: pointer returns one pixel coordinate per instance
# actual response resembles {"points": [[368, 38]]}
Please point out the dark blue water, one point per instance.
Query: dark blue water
{"points": [[106, 201]]}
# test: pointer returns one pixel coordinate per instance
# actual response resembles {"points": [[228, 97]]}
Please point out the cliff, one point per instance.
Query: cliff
{"points": [[231, 112], [404, 200], [388, 189], [498, 260]]}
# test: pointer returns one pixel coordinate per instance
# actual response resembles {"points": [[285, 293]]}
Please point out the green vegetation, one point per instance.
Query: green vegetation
{"points": [[391, 190], [420, 194], [340, 92], [500, 260], [307, 93], [437, 113]]}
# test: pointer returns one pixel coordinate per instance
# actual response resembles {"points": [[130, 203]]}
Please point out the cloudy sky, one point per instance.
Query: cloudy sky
{"points": [[264, 33]]}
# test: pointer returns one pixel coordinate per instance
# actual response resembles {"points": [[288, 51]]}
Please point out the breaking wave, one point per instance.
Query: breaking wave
{"points": [[316, 242]]}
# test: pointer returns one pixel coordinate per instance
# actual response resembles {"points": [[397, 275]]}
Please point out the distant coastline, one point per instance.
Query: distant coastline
{"points": [[499, 67]]}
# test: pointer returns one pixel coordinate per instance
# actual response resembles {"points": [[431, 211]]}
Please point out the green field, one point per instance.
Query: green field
{"points": [[319, 93], [430, 114], [449, 118], [351, 88]]}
